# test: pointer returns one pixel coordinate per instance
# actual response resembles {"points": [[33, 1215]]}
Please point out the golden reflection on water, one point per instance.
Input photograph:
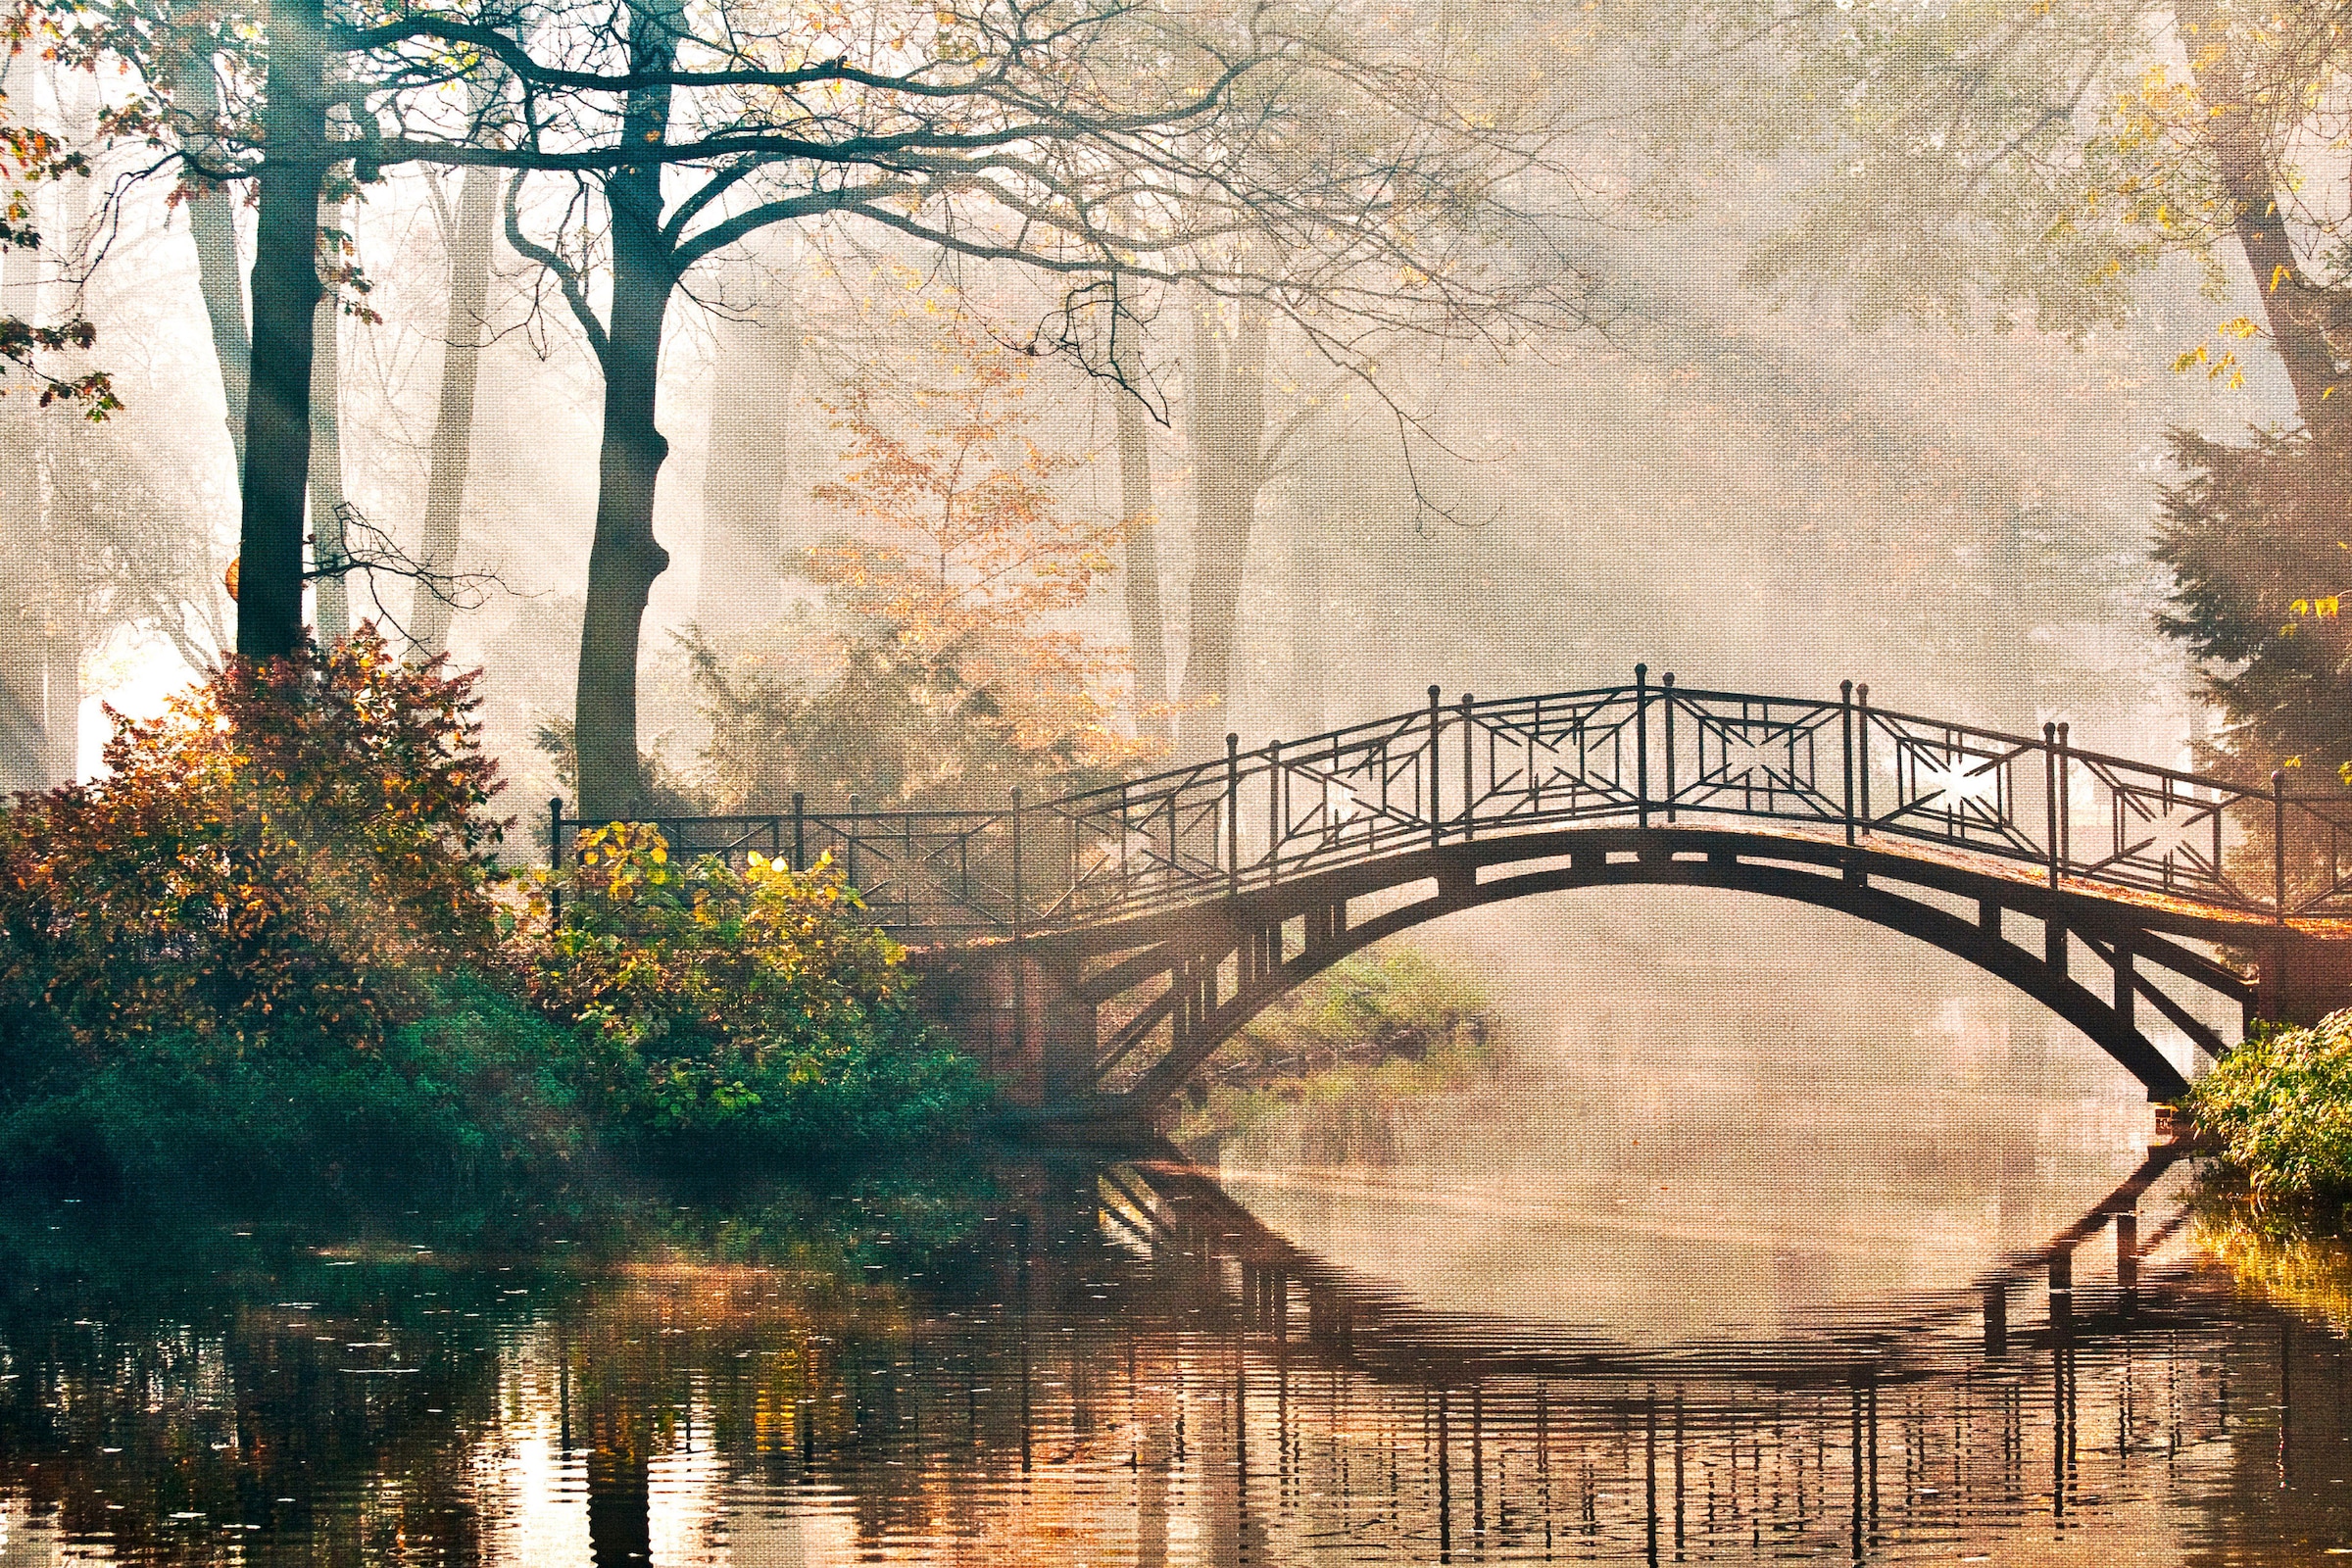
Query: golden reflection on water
{"points": [[1117, 1366], [1569, 1315]]}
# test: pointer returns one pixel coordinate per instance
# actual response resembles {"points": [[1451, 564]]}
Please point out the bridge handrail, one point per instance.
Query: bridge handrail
{"points": [[1247, 819]]}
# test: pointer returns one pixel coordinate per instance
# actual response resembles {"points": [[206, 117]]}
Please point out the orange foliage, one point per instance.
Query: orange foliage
{"points": [[972, 563], [288, 851]]}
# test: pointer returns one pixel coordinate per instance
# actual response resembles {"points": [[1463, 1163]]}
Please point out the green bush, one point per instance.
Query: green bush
{"points": [[2281, 1105], [477, 1083], [750, 1003], [273, 941]]}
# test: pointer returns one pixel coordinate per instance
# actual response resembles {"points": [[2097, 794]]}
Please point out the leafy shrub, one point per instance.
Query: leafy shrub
{"points": [[748, 1002], [2281, 1107], [1364, 1010], [273, 938], [284, 856], [477, 1083]]}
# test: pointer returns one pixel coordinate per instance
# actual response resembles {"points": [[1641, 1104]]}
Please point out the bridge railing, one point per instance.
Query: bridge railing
{"points": [[1639, 754]]}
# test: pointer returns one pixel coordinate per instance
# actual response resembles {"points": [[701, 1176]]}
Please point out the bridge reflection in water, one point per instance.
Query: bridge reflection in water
{"points": [[1119, 1366], [1535, 1439], [1137, 1371]]}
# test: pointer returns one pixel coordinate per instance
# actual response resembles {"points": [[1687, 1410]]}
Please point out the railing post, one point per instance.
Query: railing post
{"points": [[1469, 770], [554, 856], [1437, 726], [2049, 795], [1862, 751], [1845, 723], [1126, 832], [800, 831], [1642, 744], [1232, 814], [2279, 842], [849, 871], [1667, 696], [2066, 798], [1277, 819], [1020, 978]]}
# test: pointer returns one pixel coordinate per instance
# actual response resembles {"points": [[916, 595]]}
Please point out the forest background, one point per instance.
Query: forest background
{"points": [[1985, 352]]}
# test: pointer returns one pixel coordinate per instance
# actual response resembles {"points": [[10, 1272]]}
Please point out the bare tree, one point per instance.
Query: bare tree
{"points": [[1342, 177], [469, 230]]}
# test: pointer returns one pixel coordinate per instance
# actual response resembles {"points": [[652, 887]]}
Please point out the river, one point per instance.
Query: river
{"points": [[1767, 1241]]}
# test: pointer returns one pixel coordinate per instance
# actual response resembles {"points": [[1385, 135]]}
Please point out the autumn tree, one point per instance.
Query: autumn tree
{"points": [[947, 664]]}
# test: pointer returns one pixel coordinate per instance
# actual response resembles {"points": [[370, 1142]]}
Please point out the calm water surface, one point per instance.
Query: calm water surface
{"points": [[1749, 1254]]}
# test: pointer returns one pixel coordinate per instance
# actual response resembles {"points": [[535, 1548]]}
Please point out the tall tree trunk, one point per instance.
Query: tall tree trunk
{"points": [[1226, 387], [212, 224], [746, 471], [452, 427], [24, 584], [2298, 312], [1138, 545], [285, 302], [73, 459], [327, 544], [626, 557]]}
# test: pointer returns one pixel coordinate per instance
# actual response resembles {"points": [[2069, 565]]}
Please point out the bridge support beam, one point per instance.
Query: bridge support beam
{"points": [[1173, 985], [1035, 1036], [2300, 978]]}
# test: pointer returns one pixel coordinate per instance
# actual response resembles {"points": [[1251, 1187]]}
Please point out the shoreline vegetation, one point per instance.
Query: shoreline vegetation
{"points": [[1321, 1075], [2278, 1112], [271, 943]]}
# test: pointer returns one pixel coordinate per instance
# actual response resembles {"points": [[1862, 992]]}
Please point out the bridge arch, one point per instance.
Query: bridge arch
{"points": [[1180, 985], [1162, 911]]}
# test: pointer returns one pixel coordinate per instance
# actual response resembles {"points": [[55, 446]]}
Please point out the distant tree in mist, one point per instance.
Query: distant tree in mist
{"points": [[943, 666], [2258, 538], [2035, 162]]}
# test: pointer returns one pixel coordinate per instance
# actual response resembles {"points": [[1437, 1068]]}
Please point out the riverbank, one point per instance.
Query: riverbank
{"points": [[1322, 1076], [2278, 1111], [274, 942]]}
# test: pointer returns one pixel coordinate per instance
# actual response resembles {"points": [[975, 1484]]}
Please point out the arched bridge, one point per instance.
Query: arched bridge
{"points": [[1099, 947]]}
